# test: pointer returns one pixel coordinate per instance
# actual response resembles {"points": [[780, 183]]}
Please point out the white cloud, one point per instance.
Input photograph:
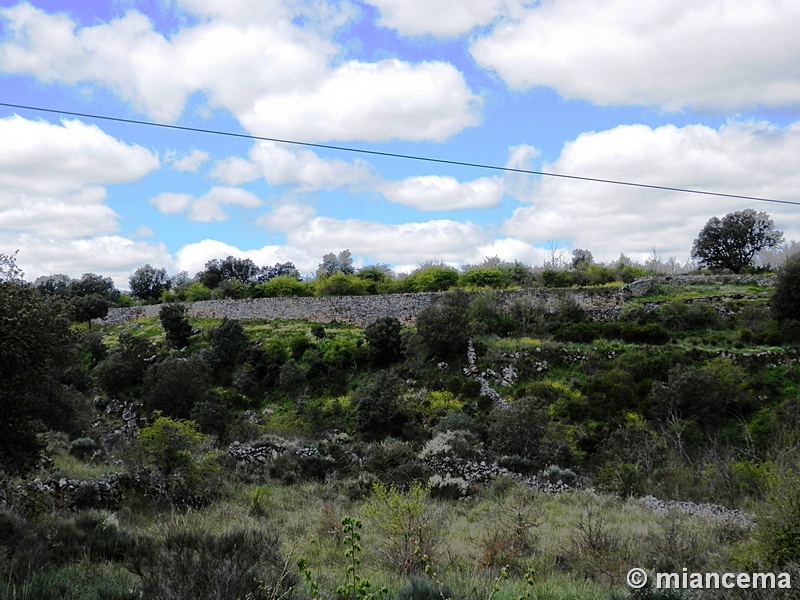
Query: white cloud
{"points": [[208, 207], [441, 105], [111, 256], [278, 78], [441, 18], [170, 203], [72, 154], [280, 164], [743, 158], [716, 54], [396, 244], [192, 162], [53, 203], [435, 192]]}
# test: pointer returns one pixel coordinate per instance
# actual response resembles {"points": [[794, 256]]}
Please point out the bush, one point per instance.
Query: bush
{"points": [[779, 529], [784, 301], [430, 279], [341, 284], [652, 333], [377, 407], [384, 341], [493, 278], [187, 565], [281, 286], [408, 527], [175, 385], [228, 346], [82, 447], [176, 326], [444, 326], [182, 457], [122, 372]]}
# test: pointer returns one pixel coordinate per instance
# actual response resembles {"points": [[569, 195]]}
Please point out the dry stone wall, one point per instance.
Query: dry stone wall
{"points": [[600, 304]]}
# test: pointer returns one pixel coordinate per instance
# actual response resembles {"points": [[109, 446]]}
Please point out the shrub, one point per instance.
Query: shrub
{"points": [[784, 301], [341, 284], [494, 278], [176, 325], [228, 346], [384, 341], [377, 408], [280, 287], [186, 565], [444, 325], [430, 279], [181, 455], [779, 530], [175, 385], [408, 527], [395, 463], [82, 447], [122, 371], [651, 333]]}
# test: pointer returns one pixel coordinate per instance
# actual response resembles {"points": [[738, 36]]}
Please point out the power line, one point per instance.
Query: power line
{"points": [[395, 155]]}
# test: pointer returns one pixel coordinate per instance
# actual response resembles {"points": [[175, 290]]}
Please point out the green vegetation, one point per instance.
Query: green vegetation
{"points": [[183, 458]]}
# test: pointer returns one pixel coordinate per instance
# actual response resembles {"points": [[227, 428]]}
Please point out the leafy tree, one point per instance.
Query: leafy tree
{"points": [[83, 309], [733, 241], [243, 270], [122, 371], [340, 284], [182, 455], [377, 407], [9, 271], [53, 285], [332, 263], [286, 269], [384, 341], [228, 346], [147, 283], [176, 325], [785, 300], [175, 385], [444, 326], [581, 258], [36, 347]]}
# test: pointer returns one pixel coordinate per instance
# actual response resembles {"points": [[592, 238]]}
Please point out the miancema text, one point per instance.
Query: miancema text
{"points": [[712, 581]]}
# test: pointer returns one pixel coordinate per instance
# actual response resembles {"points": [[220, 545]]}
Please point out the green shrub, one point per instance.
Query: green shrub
{"points": [[281, 286], [340, 284], [377, 407], [444, 326], [384, 341], [430, 279], [784, 301], [176, 326], [182, 456], [651, 333], [175, 385], [493, 278], [779, 529], [197, 292], [82, 447]]}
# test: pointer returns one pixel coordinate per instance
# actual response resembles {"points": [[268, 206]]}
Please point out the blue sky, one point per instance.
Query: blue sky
{"points": [[665, 92]]}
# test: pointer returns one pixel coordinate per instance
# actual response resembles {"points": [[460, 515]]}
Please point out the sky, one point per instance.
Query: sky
{"points": [[677, 93]]}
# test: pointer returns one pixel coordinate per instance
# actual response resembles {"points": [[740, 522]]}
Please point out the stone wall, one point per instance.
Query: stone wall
{"points": [[600, 303]]}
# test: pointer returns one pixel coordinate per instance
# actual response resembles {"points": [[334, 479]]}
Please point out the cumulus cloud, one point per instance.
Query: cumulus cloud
{"points": [[193, 257], [413, 17], [208, 207], [192, 162], [73, 154], [53, 200], [441, 105], [276, 77], [435, 192], [280, 164], [743, 158], [717, 54]]}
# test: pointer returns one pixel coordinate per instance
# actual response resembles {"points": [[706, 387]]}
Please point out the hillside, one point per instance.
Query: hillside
{"points": [[487, 430]]}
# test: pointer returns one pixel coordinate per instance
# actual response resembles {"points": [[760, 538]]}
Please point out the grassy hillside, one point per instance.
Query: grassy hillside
{"points": [[493, 451]]}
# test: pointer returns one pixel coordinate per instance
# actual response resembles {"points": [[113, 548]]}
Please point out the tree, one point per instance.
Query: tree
{"points": [[384, 341], [36, 347], [444, 326], [331, 264], [147, 283], [581, 258], [785, 300], [733, 241], [176, 326], [9, 271], [243, 270]]}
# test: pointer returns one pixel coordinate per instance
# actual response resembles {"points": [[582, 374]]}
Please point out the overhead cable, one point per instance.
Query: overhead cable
{"points": [[396, 155]]}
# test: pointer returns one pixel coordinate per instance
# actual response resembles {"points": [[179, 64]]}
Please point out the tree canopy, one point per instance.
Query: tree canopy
{"points": [[733, 241]]}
